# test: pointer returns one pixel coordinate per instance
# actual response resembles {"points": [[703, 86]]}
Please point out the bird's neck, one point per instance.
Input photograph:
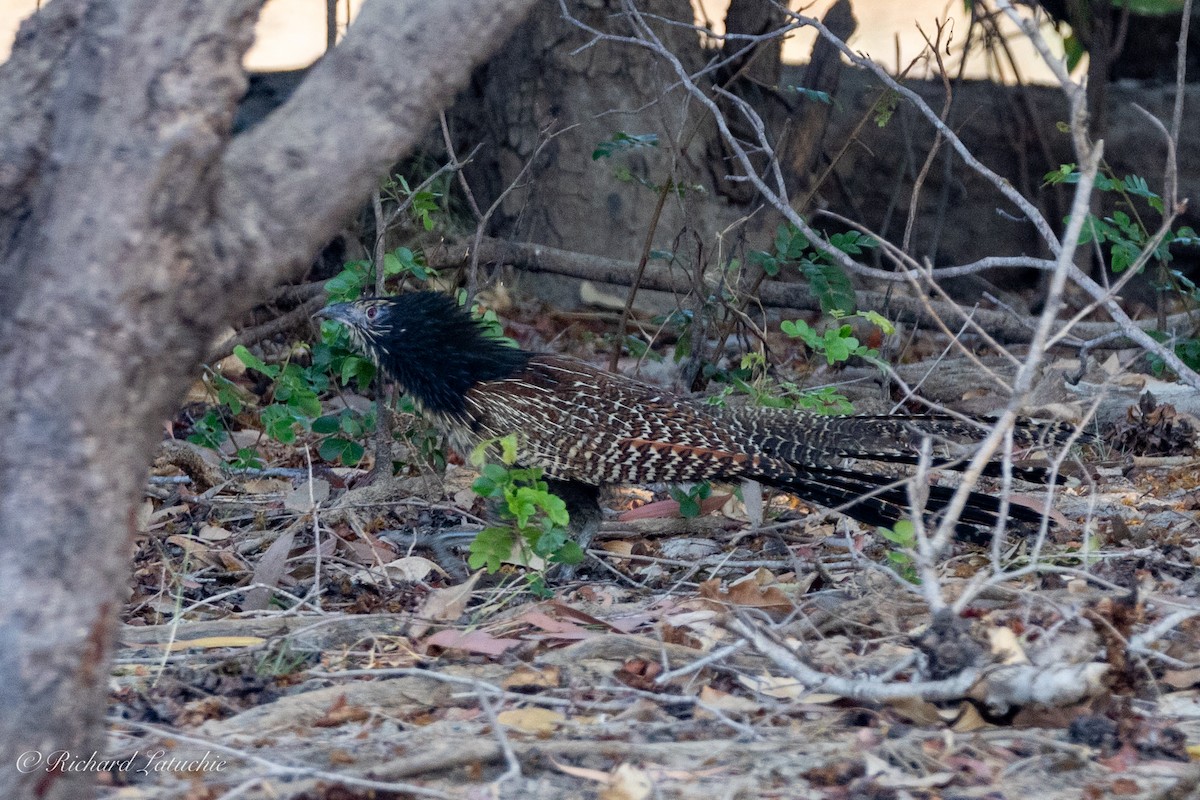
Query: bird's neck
{"points": [[447, 361]]}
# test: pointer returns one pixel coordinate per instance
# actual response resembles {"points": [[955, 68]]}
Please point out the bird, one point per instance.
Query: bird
{"points": [[587, 428]]}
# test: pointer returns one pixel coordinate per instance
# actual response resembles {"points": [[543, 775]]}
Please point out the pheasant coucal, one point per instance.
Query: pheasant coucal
{"points": [[586, 427]]}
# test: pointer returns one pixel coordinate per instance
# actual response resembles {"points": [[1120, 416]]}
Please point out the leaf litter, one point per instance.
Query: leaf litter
{"points": [[344, 647]]}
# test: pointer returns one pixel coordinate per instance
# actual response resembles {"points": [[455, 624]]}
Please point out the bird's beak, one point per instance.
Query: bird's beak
{"points": [[336, 312]]}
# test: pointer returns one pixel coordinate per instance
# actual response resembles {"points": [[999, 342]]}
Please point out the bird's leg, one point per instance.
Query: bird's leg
{"points": [[583, 505]]}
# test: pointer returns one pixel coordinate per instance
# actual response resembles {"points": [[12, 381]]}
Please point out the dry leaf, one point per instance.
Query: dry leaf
{"points": [[594, 775], [214, 533], [779, 687], [723, 701], [231, 561], [752, 501], [340, 712], [1021, 685], [617, 548], [445, 605], [748, 593], [192, 547], [210, 642], [969, 719], [471, 641], [268, 571], [916, 710], [247, 437], [304, 497], [1181, 678], [526, 677], [541, 721], [669, 509], [409, 569], [542, 620], [266, 486], [1005, 646], [627, 782], [699, 629]]}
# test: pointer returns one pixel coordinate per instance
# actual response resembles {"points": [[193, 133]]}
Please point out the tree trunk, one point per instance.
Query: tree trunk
{"points": [[562, 81], [132, 227], [566, 81]]}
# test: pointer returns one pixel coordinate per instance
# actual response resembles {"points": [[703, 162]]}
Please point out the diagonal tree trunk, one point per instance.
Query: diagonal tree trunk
{"points": [[132, 227]]}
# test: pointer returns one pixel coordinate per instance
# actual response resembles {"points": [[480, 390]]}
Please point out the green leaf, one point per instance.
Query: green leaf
{"points": [[1124, 254], [479, 453], [805, 332], [209, 431], [689, 508], [227, 393], [1095, 230], [391, 264], [886, 107], [523, 504], [1064, 174], [304, 403], [689, 501], [254, 362], [403, 260], [790, 243], [621, 142], [1073, 49], [903, 533], [879, 321], [536, 584], [490, 547], [484, 487], [337, 449], [852, 243], [813, 94], [279, 423], [1124, 223], [508, 449], [569, 553], [768, 263], [826, 401], [246, 458], [839, 344], [549, 542], [326, 424], [831, 285], [555, 509], [496, 473], [1151, 8], [352, 424], [360, 370], [348, 284]]}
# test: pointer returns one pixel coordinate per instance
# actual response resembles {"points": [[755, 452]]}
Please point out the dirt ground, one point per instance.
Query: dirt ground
{"points": [[702, 657]]}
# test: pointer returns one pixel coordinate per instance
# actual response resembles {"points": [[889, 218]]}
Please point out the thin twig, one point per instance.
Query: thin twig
{"points": [[461, 174], [510, 758], [545, 137], [277, 770], [655, 216]]}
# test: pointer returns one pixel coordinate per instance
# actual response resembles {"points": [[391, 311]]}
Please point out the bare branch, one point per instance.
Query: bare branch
{"points": [[278, 170]]}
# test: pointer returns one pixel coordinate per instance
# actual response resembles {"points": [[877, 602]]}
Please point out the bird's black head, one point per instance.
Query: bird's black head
{"points": [[428, 344]]}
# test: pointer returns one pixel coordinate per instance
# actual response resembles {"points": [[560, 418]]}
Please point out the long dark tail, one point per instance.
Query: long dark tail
{"points": [[879, 500], [804, 439]]}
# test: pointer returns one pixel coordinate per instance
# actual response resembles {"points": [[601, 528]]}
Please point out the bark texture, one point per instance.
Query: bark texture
{"points": [[562, 81], [132, 227], [835, 156]]}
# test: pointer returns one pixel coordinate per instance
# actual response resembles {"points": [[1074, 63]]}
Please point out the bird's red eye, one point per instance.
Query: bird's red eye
{"points": [[372, 312]]}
